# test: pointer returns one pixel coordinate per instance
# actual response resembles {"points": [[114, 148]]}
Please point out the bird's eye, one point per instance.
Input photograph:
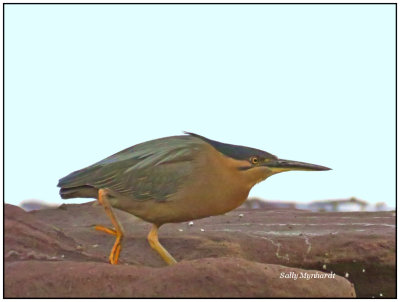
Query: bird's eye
{"points": [[254, 160]]}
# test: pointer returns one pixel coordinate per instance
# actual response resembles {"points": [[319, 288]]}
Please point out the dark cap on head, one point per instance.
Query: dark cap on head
{"points": [[235, 151]]}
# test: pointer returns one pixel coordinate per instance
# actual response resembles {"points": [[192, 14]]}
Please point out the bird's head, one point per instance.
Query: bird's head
{"points": [[256, 165]]}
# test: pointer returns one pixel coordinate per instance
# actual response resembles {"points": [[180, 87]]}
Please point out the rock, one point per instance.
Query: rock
{"points": [[207, 277], [26, 237], [361, 244]]}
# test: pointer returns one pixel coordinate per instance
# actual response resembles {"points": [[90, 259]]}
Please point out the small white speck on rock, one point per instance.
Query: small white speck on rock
{"points": [[363, 270], [180, 230], [202, 230], [324, 266], [380, 295], [347, 275], [241, 215], [190, 223]]}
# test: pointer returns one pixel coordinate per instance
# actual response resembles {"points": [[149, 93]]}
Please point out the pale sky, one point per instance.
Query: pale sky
{"points": [[313, 83]]}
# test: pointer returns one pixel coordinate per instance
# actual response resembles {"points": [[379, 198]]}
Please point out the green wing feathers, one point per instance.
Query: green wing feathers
{"points": [[151, 170]]}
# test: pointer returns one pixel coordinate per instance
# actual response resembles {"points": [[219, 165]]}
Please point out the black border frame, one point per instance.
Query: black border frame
{"points": [[191, 3]]}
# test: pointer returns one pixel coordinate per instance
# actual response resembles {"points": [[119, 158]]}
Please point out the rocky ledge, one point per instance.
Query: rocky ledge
{"points": [[245, 253]]}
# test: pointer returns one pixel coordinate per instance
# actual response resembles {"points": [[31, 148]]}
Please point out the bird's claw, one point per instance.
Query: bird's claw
{"points": [[105, 230], [114, 255]]}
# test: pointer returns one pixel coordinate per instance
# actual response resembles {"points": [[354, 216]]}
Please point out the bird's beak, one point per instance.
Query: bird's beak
{"points": [[282, 165]]}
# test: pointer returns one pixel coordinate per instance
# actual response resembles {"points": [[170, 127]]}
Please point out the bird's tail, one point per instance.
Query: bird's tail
{"points": [[81, 191]]}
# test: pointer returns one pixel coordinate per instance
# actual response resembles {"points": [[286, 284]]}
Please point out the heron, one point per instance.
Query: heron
{"points": [[174, 179]]}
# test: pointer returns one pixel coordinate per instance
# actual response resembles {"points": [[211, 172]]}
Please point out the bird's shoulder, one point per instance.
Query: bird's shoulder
{"points": [[156, 152], [152, 169]]}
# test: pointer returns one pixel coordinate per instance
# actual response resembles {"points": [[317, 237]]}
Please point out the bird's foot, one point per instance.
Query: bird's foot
{"points": [[105, 230], [114, 255], [156, 245], [117, 232]]}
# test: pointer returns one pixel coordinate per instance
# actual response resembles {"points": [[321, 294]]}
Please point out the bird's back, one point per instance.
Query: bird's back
{"points": [[150, 170]]}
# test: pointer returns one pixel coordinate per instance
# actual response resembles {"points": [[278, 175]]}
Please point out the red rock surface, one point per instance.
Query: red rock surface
{"points": [[207, 277], [57, 253]]}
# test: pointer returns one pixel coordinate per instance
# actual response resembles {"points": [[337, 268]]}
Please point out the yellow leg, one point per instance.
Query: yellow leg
{"points": [[118, 232], [156, 245], [105, 230]]}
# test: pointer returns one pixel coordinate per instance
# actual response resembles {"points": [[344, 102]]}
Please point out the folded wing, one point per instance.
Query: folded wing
{"points": [[151, 170]]}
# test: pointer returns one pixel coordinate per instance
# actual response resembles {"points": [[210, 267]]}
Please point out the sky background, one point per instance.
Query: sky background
{"points": [[313, 83]]}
